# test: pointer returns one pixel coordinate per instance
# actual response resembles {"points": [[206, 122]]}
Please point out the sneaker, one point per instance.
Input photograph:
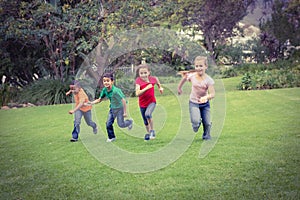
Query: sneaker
{"points": [[111, 140], [73, 140], [206, 137], [152, 134], [95, 130], [130, 125], [195, 129], [147, 137]]}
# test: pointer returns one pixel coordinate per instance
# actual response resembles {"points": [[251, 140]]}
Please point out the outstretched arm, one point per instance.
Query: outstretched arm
{"points": [[96, 101], [68, 93], [182, 81], [184, 73], [161, 89]]}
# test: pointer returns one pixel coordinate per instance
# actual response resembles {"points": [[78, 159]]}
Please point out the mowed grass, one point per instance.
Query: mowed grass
{"points": [[257, 156]]}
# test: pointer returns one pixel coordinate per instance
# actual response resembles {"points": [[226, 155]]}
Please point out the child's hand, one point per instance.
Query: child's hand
{"points": [[203, 99], [125, 114], [71, 112], [179, 90], [69, 92], [149, 86], [161, 90]]}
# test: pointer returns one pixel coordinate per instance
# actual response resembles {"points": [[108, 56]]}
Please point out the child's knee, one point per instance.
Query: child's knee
{"points": [[121, 124], [148, 116]]}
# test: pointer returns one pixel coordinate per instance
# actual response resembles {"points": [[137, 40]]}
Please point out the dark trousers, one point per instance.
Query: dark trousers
{"points": [[112, 115]]}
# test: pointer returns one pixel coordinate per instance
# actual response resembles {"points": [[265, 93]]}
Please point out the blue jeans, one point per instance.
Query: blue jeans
{"points": [[200, 113], [77, 120], [147, 112], [112, 115]]}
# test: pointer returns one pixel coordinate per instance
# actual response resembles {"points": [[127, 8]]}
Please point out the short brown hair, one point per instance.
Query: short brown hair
{"points": [[108, 75]]}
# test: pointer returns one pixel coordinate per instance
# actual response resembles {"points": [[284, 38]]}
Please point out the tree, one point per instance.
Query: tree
{"points": [[19, 48], [216, 19], [118, 16], [57, 37], [283, 26]]}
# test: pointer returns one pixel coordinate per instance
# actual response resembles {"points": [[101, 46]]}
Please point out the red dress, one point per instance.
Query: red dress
{"points": [[147, 97]]}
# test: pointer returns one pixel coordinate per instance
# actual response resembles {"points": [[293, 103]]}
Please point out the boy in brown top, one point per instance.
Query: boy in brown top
{"points": [[80, 110]]}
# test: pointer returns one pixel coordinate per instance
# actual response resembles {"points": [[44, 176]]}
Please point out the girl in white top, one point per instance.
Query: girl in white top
{"points": [[202, 91]]}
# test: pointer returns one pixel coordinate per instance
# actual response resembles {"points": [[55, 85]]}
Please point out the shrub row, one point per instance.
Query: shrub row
{"points": [[45, 92], [270, 79], [240, 70]]}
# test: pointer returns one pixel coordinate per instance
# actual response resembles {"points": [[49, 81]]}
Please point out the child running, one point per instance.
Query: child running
{"points": [[117, 106], [202, 91], [144, 89], [80, 110]]}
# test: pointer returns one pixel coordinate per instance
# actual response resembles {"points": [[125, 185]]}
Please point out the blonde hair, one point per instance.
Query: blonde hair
{"points": [[140, 67], [200, 58]]}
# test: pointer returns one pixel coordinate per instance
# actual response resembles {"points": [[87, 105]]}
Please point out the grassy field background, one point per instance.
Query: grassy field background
{"points": [[257, 156]]}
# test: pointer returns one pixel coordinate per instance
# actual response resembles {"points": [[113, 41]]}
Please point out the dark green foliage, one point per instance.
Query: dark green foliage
{"points": [[246, 83], [282, 26], [216, 19], [270, 79], [229, 72], [7, 94], [240, 70], [46, 92]]}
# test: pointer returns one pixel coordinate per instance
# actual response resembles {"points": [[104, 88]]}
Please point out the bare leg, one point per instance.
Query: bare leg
{"points": [[150, 124], [147, 128]]}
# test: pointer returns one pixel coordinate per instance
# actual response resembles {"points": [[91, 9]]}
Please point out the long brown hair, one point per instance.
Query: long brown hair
{"points": [[137, 71]]}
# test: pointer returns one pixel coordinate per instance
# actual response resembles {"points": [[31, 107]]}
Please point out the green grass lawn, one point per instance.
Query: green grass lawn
{"points": [[257, 155]]}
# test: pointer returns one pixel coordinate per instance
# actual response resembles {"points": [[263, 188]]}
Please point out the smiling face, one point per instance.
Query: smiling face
{"points": [[200, 66], [107, 82], [74, 88], [144, 74]]}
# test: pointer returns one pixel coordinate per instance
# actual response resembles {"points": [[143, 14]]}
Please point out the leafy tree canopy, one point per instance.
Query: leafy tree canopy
{"points": [[216, 19]]}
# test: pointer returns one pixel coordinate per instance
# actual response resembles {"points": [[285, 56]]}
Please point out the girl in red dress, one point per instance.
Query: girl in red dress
{"points": [[144, 89]]}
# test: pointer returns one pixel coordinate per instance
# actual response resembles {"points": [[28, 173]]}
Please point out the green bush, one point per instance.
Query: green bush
{"points": [[270, 79], [229, 72], [7, 94], [246, 82], [45, 92], [239, 70]]}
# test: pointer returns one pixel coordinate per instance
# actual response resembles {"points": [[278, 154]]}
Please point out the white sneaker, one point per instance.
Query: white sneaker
{"points": [[131, 124], [152, 135], [111, 140]]}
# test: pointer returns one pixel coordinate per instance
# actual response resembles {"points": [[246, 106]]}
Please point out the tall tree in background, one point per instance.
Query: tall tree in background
{"points": [[20, 49], [118, 16], [49, 34], [281, 28], [216, 19], [57, 37]]}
